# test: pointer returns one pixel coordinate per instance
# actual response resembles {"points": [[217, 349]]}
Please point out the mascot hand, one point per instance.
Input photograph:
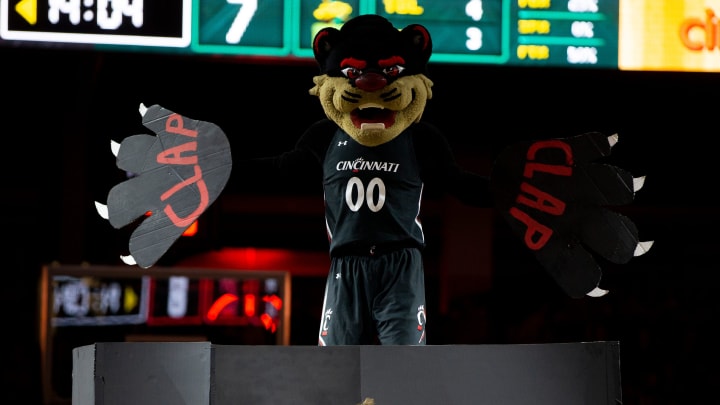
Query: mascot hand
{"points": [[554, 198], [174, 177]]}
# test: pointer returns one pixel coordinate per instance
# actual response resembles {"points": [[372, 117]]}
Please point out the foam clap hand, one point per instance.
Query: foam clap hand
{"points": [[557, 200], [174, 177]]}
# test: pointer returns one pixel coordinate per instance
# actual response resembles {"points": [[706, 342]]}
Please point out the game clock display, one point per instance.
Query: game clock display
{"points": [[163, 23]]}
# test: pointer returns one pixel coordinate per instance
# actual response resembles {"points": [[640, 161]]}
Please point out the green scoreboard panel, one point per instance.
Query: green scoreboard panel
{"points": [[242, 27], [581, 33]]}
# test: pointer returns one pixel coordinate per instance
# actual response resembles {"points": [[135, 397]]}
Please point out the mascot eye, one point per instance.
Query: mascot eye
{"points": [[393, 71], [351, 72]]}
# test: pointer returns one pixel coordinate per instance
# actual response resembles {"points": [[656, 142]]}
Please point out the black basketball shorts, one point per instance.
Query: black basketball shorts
{"points": [[375, 299]]}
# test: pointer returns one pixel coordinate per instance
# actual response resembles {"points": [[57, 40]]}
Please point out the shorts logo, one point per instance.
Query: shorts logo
{"points": [[326, 321], [421, 317]]}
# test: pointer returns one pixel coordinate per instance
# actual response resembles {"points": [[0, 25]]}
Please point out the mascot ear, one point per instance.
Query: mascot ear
{"points": [[324, 42], [419, 37]]}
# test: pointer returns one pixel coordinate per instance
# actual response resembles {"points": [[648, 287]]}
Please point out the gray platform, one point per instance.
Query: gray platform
{"points": [[201, 373]]}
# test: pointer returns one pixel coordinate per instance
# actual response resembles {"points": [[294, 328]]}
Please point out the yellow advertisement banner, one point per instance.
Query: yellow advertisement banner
{"points": [[669, 35]]}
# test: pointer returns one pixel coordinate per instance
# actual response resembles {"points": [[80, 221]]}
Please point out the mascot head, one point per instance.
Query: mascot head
{"points": [[372, 82]]}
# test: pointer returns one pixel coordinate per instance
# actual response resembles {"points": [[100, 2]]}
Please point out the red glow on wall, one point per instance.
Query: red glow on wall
{"points": [[298, 263]]}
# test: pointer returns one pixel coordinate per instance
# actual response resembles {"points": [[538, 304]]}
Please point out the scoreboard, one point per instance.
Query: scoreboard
{"points": [[567, 33], [524, 32], [614, 34]]}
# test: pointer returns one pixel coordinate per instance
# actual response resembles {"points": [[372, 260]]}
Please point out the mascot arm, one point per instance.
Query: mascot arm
{"points": [[441, 171], [302, 163]]}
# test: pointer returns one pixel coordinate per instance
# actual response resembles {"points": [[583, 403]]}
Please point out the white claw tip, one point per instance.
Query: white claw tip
{"points": [[643, 247], [613, 139], [638, 183], [597, 292], [102, 210], [128, 260], [114, 147], [142, 109]]}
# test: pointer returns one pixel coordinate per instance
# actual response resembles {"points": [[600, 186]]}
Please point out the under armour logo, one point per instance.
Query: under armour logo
{"points": [[342, 143]]}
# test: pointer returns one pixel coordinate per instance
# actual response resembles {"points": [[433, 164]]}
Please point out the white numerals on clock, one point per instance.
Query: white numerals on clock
{"points": [[110, 18], [108, 15], [69, 7]]}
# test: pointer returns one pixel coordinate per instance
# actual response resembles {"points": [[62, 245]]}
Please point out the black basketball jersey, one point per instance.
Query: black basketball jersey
{"points": [[372, 194]]}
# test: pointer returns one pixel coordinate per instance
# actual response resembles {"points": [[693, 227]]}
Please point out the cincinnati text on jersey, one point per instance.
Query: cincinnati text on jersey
{"points": [[360, 164]]}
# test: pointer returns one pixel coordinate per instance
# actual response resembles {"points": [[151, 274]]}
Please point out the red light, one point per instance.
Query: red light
{"points": [[191, 230], [268, 322], [274, 300], [250, 304], [219, 305]]}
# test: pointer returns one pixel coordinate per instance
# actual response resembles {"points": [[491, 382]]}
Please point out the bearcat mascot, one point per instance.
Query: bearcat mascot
{"points": [[376, 157]]}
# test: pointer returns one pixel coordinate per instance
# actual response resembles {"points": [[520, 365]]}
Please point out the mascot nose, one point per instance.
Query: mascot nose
{"points": [[371, 81]]}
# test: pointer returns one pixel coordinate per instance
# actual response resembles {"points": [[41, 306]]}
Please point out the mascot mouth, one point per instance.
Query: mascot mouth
{"points": [[371, 117]]}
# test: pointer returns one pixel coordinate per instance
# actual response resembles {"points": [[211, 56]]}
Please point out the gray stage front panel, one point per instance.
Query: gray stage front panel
{"points": [[141, 373], [200, 373], [83, 377], [286, 375], [569, 373]]}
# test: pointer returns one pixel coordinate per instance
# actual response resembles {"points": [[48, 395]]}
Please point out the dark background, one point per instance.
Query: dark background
{"points": [[61, 108]]}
